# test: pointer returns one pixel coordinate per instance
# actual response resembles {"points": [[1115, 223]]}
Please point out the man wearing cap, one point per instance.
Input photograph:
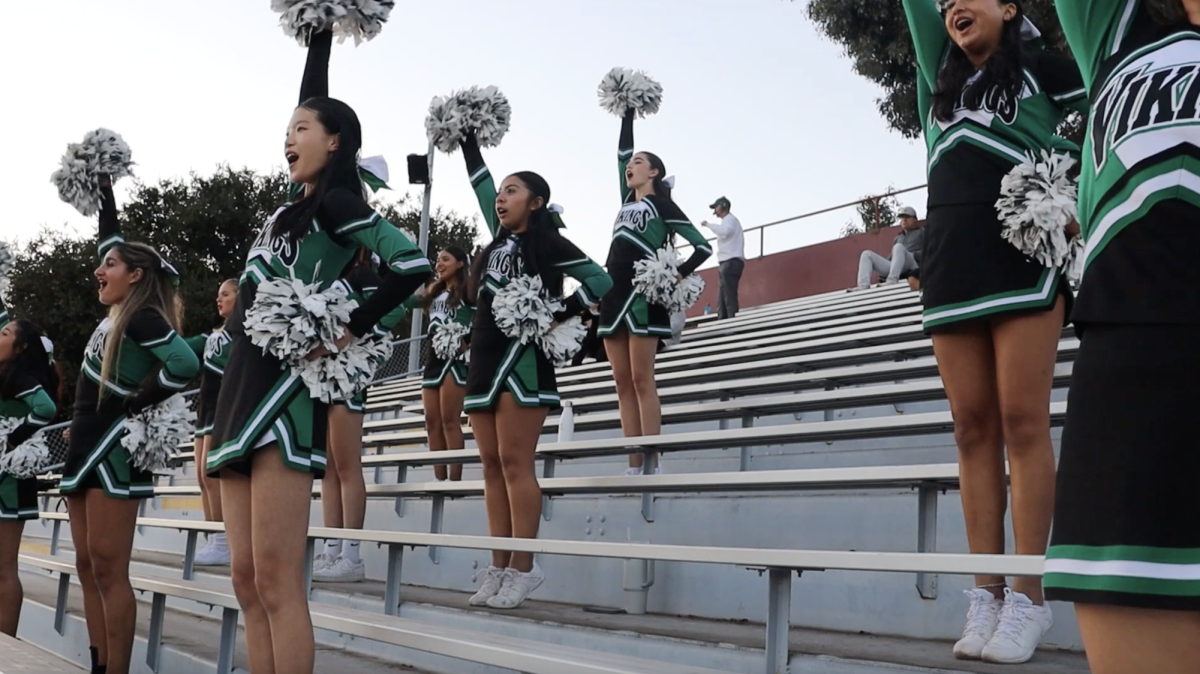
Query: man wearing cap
{"points": [[731, 254], [906, 253]]}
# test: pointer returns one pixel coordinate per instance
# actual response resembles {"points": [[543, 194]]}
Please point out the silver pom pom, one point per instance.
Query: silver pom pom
{"points": [[484, 110], [1037, 202], [153, 436], [341, 375], [359, 19], [522, 310], [290, 318], [654, 279], [447, 338], [28, 459], [102, 152], [561, 343], [7, 260], [623, 89]]}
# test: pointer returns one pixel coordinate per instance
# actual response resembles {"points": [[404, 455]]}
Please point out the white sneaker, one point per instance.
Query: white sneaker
{"points": [[1022, 625], [517, 587], [982, 618], [494, 578], [342, 570], [632, 471], [212, 555], [320, 562]]}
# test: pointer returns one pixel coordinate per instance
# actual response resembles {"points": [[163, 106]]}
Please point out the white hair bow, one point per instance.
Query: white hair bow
{"points": [[670, 182]]}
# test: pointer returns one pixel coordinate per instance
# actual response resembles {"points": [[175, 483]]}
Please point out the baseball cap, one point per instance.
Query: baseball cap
{"points": [[906, 211], [720, 202]]}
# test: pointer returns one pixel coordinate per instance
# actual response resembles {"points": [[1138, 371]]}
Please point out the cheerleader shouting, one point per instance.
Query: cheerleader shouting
{"points": [[269, 436], [29, 389], [988, 95], [134, 359], [510, 385], [630, 325], [1126, 547], [215, 356]]}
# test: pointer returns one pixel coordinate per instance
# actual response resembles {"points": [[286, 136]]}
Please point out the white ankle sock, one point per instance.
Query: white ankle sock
{"points": [[350, 551], [333, 549], [219, 541]]}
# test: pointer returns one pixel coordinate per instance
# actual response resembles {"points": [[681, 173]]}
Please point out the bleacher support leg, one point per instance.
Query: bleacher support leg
{"points": [[391, 591], [158, 613], [437, 512], [142, 513], [55, 535], [60, 606], [649, 463], [229, 623], [378, 469], [548, 465], [779, 619], [310, 550], [830, 414], [189, 556], [401, 477], [927, 536], [744, 461]]}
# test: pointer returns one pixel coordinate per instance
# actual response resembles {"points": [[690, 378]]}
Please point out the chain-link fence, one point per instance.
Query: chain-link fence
{"points": [[400, 364]]}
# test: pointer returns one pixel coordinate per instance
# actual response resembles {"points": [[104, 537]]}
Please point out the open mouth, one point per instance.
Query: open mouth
{"points": [[502, 212], [629, 175], [292, 158], [103, 285], [963, 23]]}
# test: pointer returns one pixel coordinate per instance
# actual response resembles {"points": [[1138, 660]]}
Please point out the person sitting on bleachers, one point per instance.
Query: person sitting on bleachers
{"points": [[906, 253]]}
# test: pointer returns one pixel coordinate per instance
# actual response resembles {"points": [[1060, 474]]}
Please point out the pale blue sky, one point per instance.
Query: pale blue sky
{"points": [[757, 106]]}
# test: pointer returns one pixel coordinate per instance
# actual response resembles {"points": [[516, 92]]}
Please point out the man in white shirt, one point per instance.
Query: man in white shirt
{"points": [[731, 254]]}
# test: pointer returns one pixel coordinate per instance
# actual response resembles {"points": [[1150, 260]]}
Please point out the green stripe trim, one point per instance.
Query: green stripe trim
{"points": [[157, 342], [1130, 553], [356, 225], [978, 137], [1015, 300], [1153, 586], [110, 436]]}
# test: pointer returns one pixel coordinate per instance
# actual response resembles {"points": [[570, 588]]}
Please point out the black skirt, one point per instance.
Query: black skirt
{"points": [[96, 459], [970, 273], [206, 403], [1127, 507], [499, 364], [621, 307]]}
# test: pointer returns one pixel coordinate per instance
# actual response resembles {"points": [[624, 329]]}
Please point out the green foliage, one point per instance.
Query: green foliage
{"points": [[874, 213]]}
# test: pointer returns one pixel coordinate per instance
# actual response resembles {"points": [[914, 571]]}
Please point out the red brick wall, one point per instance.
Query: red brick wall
{"points": [[820, 268]]}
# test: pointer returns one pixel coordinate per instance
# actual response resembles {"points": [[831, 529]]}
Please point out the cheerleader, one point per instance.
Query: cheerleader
{"points": [[1126, 547], [510, 385], [631, 326], [29, 388], [269, 434], [989, 94], [215, 355], [135, 359], [343, 490], [443, 387]]}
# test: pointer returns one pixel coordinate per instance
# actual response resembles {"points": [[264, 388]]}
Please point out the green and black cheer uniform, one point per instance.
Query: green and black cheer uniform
{"points": [[262, 402], [21, 397], [362, 282], [215, 356], [641, 229], [1126, 506], [442, 312], [498, 363], [154, 364], [968, 271]]}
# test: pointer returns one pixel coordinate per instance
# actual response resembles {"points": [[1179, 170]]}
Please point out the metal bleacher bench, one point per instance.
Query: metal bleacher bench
{"points": [[530, 656], [18, 657]]}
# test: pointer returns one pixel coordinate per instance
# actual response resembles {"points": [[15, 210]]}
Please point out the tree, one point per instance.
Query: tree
{"points": [[203, 224], [875, 36], [874, 213]]}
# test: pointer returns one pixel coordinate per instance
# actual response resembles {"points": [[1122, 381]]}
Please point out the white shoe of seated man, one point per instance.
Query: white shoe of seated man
{"points": [[214, 553], [889, 270], [631, 471], [517, 587], [341, 570]]}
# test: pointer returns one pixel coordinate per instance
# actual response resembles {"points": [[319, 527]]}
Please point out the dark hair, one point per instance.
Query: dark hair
{"points": [[1166, 12], [341, 170], [661, 188], [459, 292], [1002, 74], [537, 243], [32, 360]]}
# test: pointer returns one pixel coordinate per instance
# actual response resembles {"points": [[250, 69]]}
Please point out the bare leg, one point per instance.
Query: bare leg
{"points": [[1026, 350], [210, 488], [235, 497], [495, 492], [518, 429], [642, 353], [1123, 640], [280, 499], [345, 447], [110, 545], [451, 397], [967, 365], [93, 605], [11, 593], [331, 484], [617, 348], [431, 402]]}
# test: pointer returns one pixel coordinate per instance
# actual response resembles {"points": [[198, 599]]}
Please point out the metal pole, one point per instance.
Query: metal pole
{"points": [[418, 316]]}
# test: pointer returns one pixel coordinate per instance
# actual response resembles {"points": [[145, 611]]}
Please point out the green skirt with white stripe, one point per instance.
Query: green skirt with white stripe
{"points": [[503, 365], [18, 498], [262, 404], [621, 307], [97, 460], [970, 273], [1127, 507]]}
